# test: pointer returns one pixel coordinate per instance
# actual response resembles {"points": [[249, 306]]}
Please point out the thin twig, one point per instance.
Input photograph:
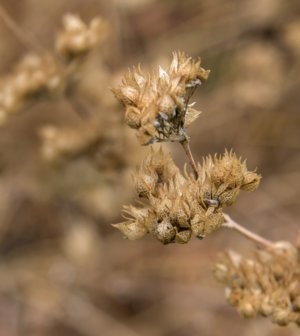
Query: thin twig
{"points": [[230, 223], [22, 37], [186, 146]]}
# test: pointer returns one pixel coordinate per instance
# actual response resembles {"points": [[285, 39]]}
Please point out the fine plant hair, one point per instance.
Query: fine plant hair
{"points": [[173, 206]]}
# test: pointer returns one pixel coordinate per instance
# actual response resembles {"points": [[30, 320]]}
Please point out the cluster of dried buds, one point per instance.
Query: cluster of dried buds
{"points": [[77, 37], [266, 285], [69, 142], [34, 77], [178, 206], [45, 75], [157, 105], [90, 139]]}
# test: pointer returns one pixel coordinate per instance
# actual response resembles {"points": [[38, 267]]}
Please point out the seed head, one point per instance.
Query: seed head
{"points": [[189, 205], [267, 285], [77, 37], [157, 105]]}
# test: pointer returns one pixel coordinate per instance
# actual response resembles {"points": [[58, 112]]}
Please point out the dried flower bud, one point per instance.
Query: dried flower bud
{"points": [[227, 170], [139, 222], [183, 237], [132, 117], [246, 309], [251, 181], [203, 224], [165, 232], [180, 213], [145, 183], [220, 272], [281, 317], [229, 196], [131, 229]]}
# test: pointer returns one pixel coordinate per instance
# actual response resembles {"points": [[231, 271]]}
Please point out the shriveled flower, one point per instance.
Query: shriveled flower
{"points": [[267, 285], [223, 177], [179, 206], [157, 105], [45, 75], [77, 37], [35, 76]]}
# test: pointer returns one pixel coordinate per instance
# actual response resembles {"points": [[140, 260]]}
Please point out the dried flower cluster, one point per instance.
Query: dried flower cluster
{"points": [[66, 143], [102, 146], [157, 104], [35, 76], [45, 75], [77, 37], [179, 206], [266, 285]]}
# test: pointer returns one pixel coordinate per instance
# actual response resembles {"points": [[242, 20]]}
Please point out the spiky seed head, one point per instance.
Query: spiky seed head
{"points": [[162, 99]]}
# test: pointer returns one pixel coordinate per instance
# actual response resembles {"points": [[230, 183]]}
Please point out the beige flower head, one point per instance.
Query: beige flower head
{"points": [[175, 206], [77, 37], [157, 104], [266, 285]]}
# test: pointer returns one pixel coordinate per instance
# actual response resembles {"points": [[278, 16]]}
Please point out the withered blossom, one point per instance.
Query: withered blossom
{"points": [[157, 104], [35, 76], [77, 37], [46, 75], [266, 285], [176, 206]]}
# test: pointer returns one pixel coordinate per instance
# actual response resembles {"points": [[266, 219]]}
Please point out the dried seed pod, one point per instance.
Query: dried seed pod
{"points": [[221, 272], [180, 213], [246, 309], [131, 229], [266, 307], [228, 197], [251, 181], [145, 184], [183, 237], [281, 317], [191, 116], [165, 232], [227, 170], [202, 224], [161, 206], [132, 117]]}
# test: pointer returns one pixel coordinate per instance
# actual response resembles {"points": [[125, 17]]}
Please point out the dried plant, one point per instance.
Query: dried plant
{"points": [[179, 206], [52, 74], [174, 206], [266, 285], [157, 104]]}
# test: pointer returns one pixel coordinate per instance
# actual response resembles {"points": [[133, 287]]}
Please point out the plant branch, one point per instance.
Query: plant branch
{"points": [[231, 224], [22, 37], [186, 146]]}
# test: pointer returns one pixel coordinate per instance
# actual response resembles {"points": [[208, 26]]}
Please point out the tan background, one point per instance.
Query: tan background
{"points": [[63, 269]]}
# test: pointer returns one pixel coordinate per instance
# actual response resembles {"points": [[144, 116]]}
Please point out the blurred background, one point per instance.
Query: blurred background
{"points": [[64, 176]]}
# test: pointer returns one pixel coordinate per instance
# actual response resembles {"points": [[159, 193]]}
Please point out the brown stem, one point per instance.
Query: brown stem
{"points": [[230, 223], [17, 32], [186, 146]]}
